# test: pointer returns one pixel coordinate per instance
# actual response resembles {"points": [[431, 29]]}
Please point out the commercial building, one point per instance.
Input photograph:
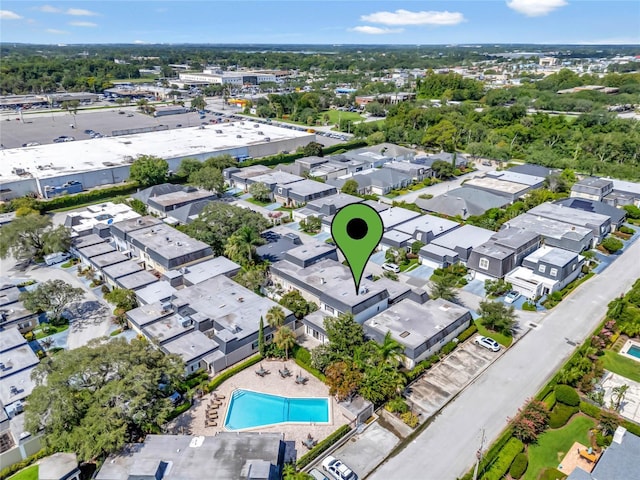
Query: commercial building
{"points": [[223, 456], [422, 329], [106, 161], [544, 271], [236, 78]]}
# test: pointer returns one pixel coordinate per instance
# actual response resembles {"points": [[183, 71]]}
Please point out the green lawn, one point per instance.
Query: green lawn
{"points": [[40, 333], [626, 367], [553, 445], [498, 337], [410, 265], [335, 115], [29, 473], [258, 202]]}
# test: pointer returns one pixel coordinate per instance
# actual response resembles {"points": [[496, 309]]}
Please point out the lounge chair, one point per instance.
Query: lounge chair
{"points": [[284, 373], [301, 380], [211, 424], [218, 397], [310, 442]]}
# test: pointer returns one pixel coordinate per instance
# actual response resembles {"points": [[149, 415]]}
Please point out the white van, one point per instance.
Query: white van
{"points": [[57, 257]]}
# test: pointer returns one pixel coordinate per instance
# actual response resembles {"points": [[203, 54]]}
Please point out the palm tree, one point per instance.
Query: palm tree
{"points": [[390, 349], [617, 396], [275, 317], [243, 242], [444, 287], [285, 338]]}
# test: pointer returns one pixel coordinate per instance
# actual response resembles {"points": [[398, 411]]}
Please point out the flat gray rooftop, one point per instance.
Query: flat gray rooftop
{"points": [[552, 255], [550, 228], [166, 329], [274, 177], [523, 178], [394, 216], [95, 250], [191, 346], [181, 197], [156, 292], [467, 236], [569, 215], [202, 271], [251, 171], [10, 339], [223, 456], [132, 224], [311, 250], [88, 240], [428, 223], [108, 259], [411, 323], [137, 280], [122, 269], [168, 242], [309, 187], [339, 200], [497, 185]]}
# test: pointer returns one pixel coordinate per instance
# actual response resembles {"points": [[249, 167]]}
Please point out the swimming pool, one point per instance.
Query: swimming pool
{"points": [[249, 409], [631, 349], [634, 351]]}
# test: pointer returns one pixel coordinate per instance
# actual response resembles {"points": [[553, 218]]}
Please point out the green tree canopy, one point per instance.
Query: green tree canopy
{"points": [[497, 316], [122, 298], [313, 149], [51, 296], [188, 166], [344, 335], [33, 236], [149, 170], [260, 191], [444, 287], [218, 221], [295, 302], [350, 187], [107, 392], [209, 178]]}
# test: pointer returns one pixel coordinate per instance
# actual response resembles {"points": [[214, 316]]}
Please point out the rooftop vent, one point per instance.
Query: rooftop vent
{"points": [[404, 334], [238, 136]]}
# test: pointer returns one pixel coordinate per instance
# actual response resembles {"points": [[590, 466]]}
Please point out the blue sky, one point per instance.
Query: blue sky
{"points": [[324, 22]]}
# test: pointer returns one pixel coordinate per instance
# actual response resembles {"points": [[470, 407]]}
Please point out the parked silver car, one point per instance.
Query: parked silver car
{"points": [[488, 343]]}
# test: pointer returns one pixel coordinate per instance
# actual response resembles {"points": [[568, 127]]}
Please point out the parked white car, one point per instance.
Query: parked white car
{"points": [[391, 267], [57, 257], [488, 343], [337, 469], [511, 297]]}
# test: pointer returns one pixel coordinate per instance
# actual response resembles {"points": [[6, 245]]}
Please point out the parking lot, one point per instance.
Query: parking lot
{"points": [[445, 380], [43, 127]]}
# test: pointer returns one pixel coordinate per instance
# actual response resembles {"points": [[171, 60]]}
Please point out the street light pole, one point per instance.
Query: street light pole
{"points": [[478, 457]]}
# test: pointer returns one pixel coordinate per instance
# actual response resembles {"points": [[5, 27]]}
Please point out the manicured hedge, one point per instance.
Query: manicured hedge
{"points": [[302, 357], [322, 447], [67, 201], [552, 474], [227, 374], [519, 466], [502, 462], [550, 400], [467, 333], [561, 414], [491, 454], [591, 410], [631, 427], [178, 410], [7, 472], [567, 395]]}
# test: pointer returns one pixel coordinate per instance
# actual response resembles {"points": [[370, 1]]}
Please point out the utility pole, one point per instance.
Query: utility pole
{"points": [[478, 457]]}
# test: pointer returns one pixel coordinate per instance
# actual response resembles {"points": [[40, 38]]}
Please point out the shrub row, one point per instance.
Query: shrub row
{"points": [[7, 472], [550, 400], [302, 357], [504, 459], [322, 446], [178, 410], [591, 410], [492, 453], [467, 333], [631, 427], [519, 466], [68, 201], [227, 374], [561, 414], [567, 395]]}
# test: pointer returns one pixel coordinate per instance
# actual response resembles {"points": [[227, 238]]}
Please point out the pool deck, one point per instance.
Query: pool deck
{"points": [[192, 422]]}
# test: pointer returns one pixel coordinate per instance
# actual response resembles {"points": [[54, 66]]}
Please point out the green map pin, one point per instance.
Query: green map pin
{"points": [[357, 230]]}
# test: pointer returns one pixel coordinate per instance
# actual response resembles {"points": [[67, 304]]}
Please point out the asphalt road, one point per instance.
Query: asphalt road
{"points": [[447, 448]]}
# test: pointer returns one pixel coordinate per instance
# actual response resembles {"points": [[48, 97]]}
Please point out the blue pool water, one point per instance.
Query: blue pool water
{"points": [[634, 351], [249, 409]]}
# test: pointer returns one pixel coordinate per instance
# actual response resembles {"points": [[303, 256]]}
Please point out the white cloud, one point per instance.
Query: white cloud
{"points": [[48, 9], [140, 42], [56, 32], [80, 12], [9, 15], [535, 8], [405, 17], [83, 24], [369, 30]]}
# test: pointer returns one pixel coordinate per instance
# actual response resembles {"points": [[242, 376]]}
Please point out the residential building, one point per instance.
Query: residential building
{"points": [[158, 245], [277, 245], [416, 171], [162, 200], [211, 325], [89, 220], [624, 193], [382, 153], [328, 171], [544, 271], [618, 460], [532, 181], [12, 311], [299, 193], [616, 215], [463, 202], [225, 456], [17, 361], [329, 284], [422, 329], [592, 188], [375, 181], [273, 178], [422, 228], [187, 213], [59, 466], [599, 224], [504, 251], [377, 205], [428, 160], [239, 177], [331, 204], [555, 233], [512, 191], [454, 246], [532, 169], [395, 216]]}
